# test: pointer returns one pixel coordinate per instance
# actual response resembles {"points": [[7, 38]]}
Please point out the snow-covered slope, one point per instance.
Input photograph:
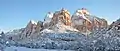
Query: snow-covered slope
{"points": [[61, 28], [15, 32], [13, 48], [102, 39]]}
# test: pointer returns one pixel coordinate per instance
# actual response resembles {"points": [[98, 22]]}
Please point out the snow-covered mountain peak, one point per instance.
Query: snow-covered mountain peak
{"points": [[83, 11], [33, 22], [50, 14]]}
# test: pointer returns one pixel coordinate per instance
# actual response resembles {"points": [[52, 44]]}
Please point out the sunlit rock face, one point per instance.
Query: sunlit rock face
{"points": [[61, 16], [61, 21], [84, 21]]}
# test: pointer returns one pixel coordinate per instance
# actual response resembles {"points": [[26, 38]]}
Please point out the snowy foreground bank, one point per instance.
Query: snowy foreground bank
{"points": [[13, 48]]}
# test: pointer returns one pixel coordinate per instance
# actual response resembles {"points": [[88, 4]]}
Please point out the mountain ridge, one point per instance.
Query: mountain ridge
{"points": [[51, 20]]}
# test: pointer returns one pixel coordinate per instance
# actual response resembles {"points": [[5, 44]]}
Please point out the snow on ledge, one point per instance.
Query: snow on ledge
{"points": [[33, 22]]}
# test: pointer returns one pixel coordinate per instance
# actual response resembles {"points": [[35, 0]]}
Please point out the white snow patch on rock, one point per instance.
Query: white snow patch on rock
{"points": [[47, 31], [33, 22]]}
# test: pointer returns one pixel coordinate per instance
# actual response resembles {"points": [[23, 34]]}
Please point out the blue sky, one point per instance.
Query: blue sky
{"points": [[17, 13]]}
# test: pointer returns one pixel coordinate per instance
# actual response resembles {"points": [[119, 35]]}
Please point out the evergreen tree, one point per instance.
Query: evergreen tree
{"points": [[2, 41], [2, 35]]}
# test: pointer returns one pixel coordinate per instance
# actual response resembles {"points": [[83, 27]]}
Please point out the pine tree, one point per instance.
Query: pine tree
{"points": [[2, 35], [2, 41]]}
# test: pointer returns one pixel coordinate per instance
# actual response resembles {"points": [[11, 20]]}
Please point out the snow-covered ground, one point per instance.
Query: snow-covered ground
{"points": [[99, 40], [13, 48]]}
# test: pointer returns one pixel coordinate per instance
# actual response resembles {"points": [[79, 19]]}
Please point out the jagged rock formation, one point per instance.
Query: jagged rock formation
{"points": [[84, 21], [60, 21], [39, 26], [32, 28], [61, 16], [104, 23], [47, 20]]}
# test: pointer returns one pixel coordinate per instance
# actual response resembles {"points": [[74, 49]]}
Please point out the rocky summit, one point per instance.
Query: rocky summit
{"points": [[81, 31]]}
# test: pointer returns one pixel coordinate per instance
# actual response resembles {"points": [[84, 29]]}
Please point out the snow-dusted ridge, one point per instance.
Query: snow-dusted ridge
{"points": [[33, 22]]}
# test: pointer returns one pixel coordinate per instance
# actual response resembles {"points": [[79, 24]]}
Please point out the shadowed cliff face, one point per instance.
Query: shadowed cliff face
{"points": [[115, 24], [31, 28]]}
